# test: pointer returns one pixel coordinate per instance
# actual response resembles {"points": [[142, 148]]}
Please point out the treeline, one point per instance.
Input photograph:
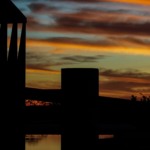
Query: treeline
{"points": [[143, 98]]}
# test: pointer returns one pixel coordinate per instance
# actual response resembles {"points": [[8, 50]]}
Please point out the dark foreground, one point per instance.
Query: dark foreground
{"points": [[127, 120]]}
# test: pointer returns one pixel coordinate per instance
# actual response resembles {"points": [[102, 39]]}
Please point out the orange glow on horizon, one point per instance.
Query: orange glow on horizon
{"points": [[66, 47], [41, 71]]}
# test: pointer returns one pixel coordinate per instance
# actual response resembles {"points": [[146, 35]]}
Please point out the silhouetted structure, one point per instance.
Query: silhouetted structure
{"points": [[12, 65], [80, 91]]}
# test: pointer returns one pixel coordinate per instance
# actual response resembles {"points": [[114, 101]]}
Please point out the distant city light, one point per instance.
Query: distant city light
{"points": [[37, 103]]}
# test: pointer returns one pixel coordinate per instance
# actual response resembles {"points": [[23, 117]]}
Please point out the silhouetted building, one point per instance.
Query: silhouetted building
{"points": [[12, 76], [80, 92]]}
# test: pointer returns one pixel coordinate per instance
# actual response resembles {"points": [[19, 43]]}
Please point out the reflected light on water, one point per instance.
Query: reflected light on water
{"points": [[43, 142]]}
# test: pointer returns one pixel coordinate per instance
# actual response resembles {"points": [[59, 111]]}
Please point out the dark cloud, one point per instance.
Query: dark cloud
{"points": [[143, 41], [44, 61], [33, 23], [40, 7], [90, 26], [128, 28], [84, 17], [102, 27], [78, 58], [84, 41], [38, 61], [129, 81], [90, 21], [69, 21], [138, 40], [126, 73]]}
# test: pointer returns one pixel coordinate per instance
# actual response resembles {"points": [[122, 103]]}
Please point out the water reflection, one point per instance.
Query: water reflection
{"points": [[43, 142], [34, 139]]}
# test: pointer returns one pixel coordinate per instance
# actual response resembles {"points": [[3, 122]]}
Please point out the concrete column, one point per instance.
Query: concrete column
{"points": [[80, 92]]}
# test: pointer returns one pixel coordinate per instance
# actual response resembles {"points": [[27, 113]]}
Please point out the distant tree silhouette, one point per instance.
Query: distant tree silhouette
{"points": [[145, 98], [133, 98]]}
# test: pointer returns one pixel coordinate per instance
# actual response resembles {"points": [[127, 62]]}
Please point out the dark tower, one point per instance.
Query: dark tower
{"points": [[12, 76], [80, 92]]}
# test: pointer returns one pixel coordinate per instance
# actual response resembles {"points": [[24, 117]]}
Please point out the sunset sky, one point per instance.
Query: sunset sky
{"points": [[112, 35]]}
